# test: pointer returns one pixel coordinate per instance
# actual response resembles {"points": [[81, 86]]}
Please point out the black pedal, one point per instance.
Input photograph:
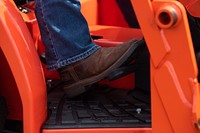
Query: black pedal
{"points": [[131, 64], [121, 72]]}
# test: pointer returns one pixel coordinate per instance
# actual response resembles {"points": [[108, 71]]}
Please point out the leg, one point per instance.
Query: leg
{"points": [[64, 32], [69, 47]]}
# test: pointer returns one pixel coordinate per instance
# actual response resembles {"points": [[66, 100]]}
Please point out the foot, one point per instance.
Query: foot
{"points": [[94, 68]]}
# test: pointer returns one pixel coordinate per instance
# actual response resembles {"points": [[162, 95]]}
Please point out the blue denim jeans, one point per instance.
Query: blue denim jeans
{"points": [[64, 32]]}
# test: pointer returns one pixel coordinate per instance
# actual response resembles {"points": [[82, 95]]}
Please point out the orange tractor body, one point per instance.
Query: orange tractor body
{"points": [[163, 99]]}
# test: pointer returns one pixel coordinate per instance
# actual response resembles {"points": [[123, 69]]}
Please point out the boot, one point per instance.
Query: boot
{"points": [[94, 68]]}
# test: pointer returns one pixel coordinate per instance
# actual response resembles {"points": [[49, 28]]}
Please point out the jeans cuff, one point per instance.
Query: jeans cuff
{"points": [[73, 59]]}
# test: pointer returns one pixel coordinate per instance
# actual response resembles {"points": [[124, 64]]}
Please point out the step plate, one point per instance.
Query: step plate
{"points": [[101, 107]]}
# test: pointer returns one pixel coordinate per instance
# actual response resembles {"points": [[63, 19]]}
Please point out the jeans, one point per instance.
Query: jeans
{"points": [[64, 32]]}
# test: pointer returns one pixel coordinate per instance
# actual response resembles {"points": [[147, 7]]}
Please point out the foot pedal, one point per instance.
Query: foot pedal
{"points": [[130, 65], [122, 71]]}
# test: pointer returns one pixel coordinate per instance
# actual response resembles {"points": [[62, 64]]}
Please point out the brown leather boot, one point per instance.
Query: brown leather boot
{"points": [[94, 68]]}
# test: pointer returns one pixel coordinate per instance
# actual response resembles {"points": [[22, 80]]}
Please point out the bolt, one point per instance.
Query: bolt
{"points": [[138, 110]]}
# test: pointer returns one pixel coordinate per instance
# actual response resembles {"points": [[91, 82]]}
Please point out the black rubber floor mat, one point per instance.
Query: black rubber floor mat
{"points": [[99, 108]]}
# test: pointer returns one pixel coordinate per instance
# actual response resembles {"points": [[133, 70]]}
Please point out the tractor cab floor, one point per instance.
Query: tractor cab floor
{"points": [[100, 107]]}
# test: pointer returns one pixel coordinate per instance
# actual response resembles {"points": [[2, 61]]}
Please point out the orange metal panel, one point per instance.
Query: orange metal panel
{"points": [[192, 6], [115, 34], [31, 22], [18, 48], [110, 14], [89, 9], [173, 65]]}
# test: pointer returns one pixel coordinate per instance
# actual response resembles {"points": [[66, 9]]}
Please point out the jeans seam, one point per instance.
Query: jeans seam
{"points": [[48, 31]]}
